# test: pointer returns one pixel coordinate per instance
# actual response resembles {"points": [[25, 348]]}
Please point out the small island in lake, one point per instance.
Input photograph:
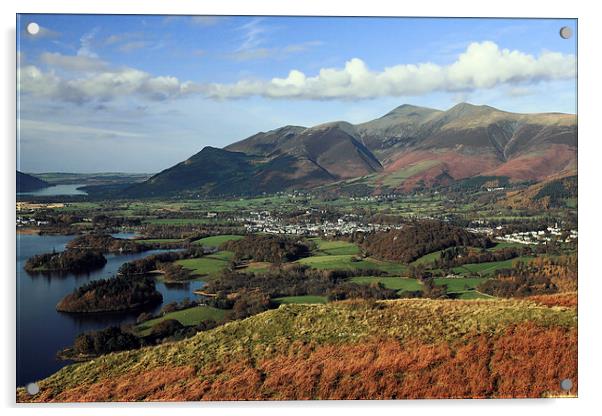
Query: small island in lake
{"points": [[111, 295], [73, 261], [106, 244]]}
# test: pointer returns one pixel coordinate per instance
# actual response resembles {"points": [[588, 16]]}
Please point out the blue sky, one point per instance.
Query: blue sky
{"points": [[140, 93]]}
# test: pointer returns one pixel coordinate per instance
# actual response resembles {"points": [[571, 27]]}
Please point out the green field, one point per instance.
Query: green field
{"points": [[333, 248], [207, 265], [571, 202], [460, 285], [397, 283], [301, 299], [506, 244], [187, 317], [487, 269], [428, 258], [160, 240], [473, 294], [256, 267], [217, 240], [464, 288], [345, 262], [180, 221], [400, 176]]}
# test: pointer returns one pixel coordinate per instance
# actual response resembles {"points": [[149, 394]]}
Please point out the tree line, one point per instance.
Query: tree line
{"points": [[540, 276], [164, 262], [458, 256], [113, 294], [268, 248], [73, 260], [416, 239]]}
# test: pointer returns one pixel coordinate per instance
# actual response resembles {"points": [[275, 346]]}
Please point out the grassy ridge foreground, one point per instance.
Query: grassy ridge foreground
{"points": [[345, 350]]}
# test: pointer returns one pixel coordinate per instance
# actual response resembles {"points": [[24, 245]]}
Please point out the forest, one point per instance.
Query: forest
{"points": [[72, 260], [163, 262], [104, 341], [106, 244], [458, 256], [540, 276], [268, 248], [114, 294], [416, 239]]}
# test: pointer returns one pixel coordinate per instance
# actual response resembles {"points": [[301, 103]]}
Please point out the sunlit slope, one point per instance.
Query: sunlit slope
{"points": [[345, 350], [407, 148]]}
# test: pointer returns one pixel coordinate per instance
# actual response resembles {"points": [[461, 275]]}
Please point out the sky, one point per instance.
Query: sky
{"points": [[110, 93]]}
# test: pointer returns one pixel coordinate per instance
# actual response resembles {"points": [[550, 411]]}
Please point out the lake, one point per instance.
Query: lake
{"points": [[57, 190], [41, 330]]}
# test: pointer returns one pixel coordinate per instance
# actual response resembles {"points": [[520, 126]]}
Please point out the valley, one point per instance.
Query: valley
{"points": [[417, 235]]}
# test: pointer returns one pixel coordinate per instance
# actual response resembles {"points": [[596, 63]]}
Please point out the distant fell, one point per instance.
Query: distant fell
{"points": [[408, 148], [29, 183]]}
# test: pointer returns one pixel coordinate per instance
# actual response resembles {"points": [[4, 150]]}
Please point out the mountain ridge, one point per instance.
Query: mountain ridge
{"points": [[408, 147], [28, 183]]}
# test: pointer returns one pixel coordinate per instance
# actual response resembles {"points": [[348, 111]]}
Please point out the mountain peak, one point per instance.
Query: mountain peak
{"points": [[468, 108], [264, 143], [333, 124], [410, 110]]}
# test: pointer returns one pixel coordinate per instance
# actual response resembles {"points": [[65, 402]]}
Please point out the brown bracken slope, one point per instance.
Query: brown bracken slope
{"points": [[347, 350]]}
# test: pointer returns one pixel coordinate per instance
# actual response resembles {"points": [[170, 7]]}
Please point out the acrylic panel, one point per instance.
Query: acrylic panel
{"points": [[295, 208]]}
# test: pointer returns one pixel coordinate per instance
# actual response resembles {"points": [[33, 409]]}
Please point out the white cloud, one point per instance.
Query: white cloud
{"points": [[482, 66], [253, 34], [101, 86], [130, 41], [86, 40]]}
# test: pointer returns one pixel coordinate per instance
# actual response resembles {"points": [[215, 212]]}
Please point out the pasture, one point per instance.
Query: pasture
{"points": [[350, 262], [333, 248], [307, 299], [207, 265], [187, 317], [396, 283], [217, 240]]}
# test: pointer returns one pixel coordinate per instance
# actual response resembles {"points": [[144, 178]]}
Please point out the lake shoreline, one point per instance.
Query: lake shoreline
{"points": [[39, 294]]}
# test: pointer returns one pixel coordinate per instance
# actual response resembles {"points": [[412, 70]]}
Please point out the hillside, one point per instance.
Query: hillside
{"points": [[407, 148], [346, 350], [264, 143], [308, 158], [553, 193], [206, 172], [28, 183], [469, 140]]}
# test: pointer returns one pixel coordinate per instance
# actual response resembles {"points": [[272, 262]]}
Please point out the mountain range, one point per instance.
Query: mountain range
{"points": [[408, 148]]}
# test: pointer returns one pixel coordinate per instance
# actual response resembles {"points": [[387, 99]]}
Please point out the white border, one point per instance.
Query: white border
{"points": [[590, 154]]}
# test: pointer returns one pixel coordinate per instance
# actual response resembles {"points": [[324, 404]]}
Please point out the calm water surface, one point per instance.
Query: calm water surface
{"points": [[41, 330], [57, 190]]}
